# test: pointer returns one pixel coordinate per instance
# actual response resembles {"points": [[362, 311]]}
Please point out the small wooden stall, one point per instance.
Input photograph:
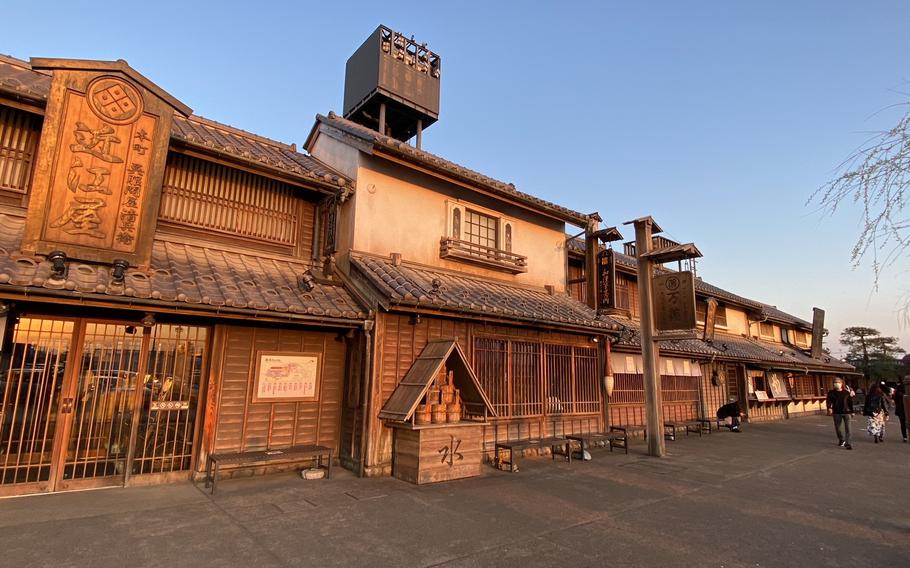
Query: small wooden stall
{"points": [[437, 412]]}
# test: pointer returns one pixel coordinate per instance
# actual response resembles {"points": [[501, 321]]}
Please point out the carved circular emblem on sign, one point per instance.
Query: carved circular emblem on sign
{"points": [[114, 100], [672, 283]]}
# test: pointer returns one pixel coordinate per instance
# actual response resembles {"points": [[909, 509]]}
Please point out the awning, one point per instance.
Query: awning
{"points": [[413, 387], [632, 364]]}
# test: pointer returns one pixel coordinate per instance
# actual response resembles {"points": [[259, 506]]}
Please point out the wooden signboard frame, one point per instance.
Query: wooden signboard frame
{"points": [[100, 162], [289, 357], [674, 301]]}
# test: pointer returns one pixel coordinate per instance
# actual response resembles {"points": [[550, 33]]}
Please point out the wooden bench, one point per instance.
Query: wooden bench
{"points": [[585, 440], [510, 447], [704, 425], [626, 431], [239, 460], [697, 426]]}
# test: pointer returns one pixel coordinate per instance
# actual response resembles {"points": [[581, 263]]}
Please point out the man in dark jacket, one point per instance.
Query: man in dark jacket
{"points": [[899, 409], [730, 413], [840, 405]]}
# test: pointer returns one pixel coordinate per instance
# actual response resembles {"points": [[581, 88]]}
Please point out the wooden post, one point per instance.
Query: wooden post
{"points": [[382, 118], [649, 350], [591, 264]]}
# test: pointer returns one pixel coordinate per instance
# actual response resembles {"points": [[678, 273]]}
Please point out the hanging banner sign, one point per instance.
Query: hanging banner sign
{"points": [[606, 280], [674, 301]]}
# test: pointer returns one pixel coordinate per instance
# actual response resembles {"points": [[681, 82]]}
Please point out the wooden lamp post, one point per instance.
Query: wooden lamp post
{"points": [[671, 312]]}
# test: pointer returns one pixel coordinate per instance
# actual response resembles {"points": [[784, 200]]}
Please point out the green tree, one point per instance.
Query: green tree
{"points": [[876, 355]]}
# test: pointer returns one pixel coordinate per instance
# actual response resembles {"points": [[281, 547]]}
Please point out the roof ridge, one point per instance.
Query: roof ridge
{"points": [[292, 147], [15, 61], [448, 166]]}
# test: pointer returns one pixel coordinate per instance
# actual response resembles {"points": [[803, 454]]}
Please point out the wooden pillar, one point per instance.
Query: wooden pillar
{"points": [[649, 350], [366, 395], [591, 264], [743, 378], [605, 370]]}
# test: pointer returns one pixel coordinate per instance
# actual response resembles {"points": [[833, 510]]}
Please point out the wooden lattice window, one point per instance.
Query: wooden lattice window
{"points": [[215, 198], [532, 379], [481, 229], [766, 329], [526, 391], [623, 292], [720, 314], [491, 365], [679, 388], [19, 133]]}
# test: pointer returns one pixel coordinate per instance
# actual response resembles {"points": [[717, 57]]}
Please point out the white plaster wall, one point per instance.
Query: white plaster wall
{"points": [[395, 215]]}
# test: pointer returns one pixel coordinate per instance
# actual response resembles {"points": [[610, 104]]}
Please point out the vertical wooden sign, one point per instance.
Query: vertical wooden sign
{"points": [[606, 280], [100, 162]]}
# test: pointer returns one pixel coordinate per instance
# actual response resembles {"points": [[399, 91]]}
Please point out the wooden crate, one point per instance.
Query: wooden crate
{"points": [[437, 452]]}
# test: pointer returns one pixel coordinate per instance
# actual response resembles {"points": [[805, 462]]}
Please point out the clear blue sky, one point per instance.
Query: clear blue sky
{"points": [[717, 118]]}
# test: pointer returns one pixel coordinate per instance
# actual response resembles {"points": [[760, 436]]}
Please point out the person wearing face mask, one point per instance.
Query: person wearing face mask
{"points": [[840, 406]]}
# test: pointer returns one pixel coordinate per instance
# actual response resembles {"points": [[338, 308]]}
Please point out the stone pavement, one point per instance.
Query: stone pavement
{"points": [[779, 494]]}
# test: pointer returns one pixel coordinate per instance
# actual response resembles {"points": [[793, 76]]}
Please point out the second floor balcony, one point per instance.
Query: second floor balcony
{"points": [[489, 257]]}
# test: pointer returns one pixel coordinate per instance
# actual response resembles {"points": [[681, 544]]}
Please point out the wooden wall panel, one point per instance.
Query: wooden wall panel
{"points": [[242, 425], [713, 397]]}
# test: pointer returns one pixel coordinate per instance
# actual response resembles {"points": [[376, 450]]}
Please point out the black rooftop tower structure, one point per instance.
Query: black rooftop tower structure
{"points": [[392, 85]]}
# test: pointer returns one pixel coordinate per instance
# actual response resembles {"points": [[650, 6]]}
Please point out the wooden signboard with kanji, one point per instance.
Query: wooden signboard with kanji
{"points": [[606, 280], [100, 162], [674, 301]]}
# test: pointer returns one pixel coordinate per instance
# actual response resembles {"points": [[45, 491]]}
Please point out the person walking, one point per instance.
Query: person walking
{"points": [[840, 405], [876, 411], [899, 410]]}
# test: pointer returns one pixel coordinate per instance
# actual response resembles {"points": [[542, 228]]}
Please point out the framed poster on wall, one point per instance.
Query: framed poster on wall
{"points": [[283, 376]]}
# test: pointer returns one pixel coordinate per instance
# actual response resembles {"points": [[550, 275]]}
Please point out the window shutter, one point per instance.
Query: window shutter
{"points": [[456, 223]]}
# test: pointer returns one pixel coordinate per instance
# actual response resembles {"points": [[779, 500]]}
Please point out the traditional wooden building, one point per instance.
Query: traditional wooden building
{"points": [[771, 361], [165, 292], [443, 252]]}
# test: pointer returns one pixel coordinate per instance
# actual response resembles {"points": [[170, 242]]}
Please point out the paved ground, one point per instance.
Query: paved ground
{"points": [[776, 495]]}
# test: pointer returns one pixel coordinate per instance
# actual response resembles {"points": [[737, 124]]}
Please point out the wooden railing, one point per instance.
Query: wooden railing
{"points": [[456, 249]]}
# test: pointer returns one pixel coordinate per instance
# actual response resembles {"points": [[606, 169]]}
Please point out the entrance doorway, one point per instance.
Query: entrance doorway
{"points": [[87, 403]]}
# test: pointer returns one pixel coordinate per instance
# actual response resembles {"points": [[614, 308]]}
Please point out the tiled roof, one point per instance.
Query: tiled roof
{"points": [[577, 245], [434, 162], [17, 78], [224, 139], [415, 285], [184, 274], [738, 348]]}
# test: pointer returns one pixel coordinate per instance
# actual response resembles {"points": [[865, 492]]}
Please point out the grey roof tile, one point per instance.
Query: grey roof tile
{"points": [[417, 285], [185, 274], [738, 348]]}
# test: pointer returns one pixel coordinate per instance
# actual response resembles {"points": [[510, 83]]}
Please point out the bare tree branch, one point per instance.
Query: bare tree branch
{"points": [[876, 176]]}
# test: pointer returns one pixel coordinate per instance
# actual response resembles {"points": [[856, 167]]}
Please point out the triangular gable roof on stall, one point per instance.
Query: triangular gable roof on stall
{"points": [[413, 387]]}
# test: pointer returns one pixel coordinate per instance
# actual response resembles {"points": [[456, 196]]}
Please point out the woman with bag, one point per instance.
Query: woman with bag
{"points": [[876, 410]]}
